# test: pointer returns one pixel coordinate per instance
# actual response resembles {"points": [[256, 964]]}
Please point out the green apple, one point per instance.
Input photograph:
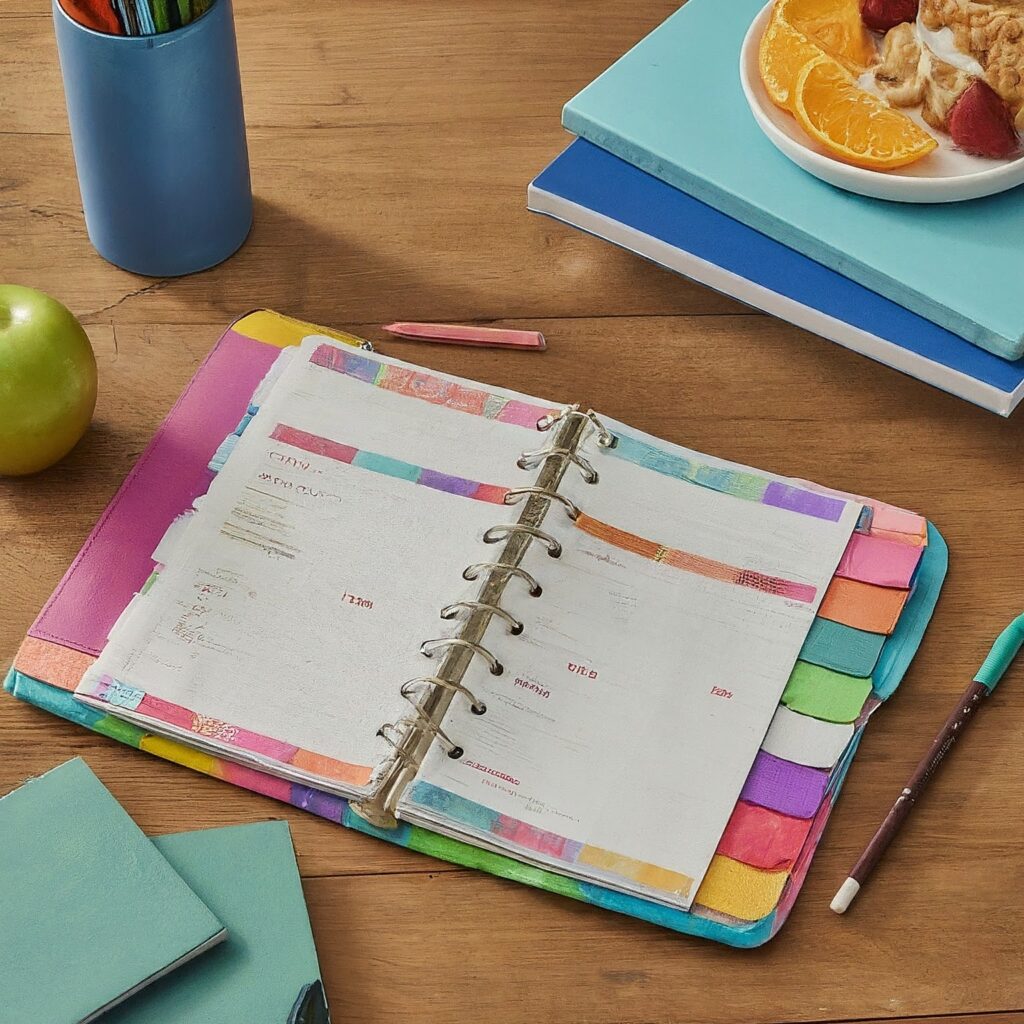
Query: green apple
{"points": [[47, 381]]}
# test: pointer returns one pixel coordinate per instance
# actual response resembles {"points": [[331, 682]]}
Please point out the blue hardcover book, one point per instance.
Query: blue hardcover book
{"points": [[591, 189], [673, 106]]}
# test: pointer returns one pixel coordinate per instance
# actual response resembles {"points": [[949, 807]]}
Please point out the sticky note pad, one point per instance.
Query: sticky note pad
{"points": [[806, 740], [788, 788], [267, 970], [739, 890], [90, 911]]}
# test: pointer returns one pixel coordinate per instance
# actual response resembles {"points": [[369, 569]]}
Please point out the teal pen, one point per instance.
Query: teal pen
{"points": [[1004, 650]]}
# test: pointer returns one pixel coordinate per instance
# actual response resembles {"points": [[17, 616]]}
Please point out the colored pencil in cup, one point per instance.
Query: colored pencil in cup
{"points": [[1003, 651], [99, 15]]}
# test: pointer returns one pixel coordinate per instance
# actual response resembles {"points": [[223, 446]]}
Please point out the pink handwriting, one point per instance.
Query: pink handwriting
{"points": [[491, 771]]}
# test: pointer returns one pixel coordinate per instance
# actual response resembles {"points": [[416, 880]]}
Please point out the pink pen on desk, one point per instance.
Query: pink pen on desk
{"points": [[454, 334]]}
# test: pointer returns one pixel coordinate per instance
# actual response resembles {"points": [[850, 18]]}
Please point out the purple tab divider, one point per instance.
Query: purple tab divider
{"points": [[792, 789]]}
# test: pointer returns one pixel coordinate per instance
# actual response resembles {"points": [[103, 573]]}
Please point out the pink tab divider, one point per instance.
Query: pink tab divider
{"points": [[886, 563]]}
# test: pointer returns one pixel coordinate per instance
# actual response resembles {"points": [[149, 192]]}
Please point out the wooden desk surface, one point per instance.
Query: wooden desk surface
{"points": [[391, 144]]}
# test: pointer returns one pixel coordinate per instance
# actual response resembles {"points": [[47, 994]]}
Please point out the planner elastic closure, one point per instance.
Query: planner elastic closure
{"points": [[413, 736]]}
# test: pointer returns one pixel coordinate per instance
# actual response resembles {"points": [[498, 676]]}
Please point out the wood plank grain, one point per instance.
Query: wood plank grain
{"points": [[346, 234], [407, 201], [973, 1018], [433, 948], [373, 63]]}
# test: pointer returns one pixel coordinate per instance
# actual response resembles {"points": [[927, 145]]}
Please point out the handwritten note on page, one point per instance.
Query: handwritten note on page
{"points": [[295, 601]]}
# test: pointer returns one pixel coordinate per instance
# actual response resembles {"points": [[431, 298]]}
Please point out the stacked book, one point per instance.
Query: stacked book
{"points": [[100, 921], [670, 164]]}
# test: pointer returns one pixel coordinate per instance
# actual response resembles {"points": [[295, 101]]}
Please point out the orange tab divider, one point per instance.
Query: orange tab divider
{"points": [[863, 605], [51, 663]]}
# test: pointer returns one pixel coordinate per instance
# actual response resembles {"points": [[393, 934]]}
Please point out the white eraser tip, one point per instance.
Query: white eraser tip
{"points": [[842, 899]]}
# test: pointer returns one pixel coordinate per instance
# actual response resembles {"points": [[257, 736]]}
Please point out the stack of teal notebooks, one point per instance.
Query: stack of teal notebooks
{"points": [[96, 919], [670, 164]]}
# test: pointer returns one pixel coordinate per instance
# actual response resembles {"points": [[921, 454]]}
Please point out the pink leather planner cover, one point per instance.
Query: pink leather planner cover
{"points": [[116, 558]]}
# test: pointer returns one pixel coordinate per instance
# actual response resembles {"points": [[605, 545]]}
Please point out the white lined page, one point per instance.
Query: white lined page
{"points": [[633, 705]]}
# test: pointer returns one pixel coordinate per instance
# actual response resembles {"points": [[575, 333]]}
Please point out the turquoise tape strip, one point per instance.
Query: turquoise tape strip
{"points": [[50, 698]]}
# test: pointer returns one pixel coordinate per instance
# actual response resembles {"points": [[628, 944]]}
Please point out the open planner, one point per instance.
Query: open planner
{"points": [[429, 606]]}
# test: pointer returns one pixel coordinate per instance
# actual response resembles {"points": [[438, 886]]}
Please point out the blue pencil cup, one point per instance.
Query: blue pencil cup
{"points": [[159, 138]]}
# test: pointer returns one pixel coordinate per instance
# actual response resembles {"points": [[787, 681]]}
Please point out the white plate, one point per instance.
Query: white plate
{"points": [[946, 175]]}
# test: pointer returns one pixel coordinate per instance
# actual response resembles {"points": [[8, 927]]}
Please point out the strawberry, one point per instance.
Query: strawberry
{"points": [[882, 15], [980, 123]]}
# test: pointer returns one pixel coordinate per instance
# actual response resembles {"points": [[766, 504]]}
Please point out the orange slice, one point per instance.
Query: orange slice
{"points": [[853, 125], [834, 25], [781, 58]]}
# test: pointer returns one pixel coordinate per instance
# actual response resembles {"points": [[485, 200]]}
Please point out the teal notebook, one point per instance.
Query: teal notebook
{"points": [[90, 912], [673, 107], [267, 972]]}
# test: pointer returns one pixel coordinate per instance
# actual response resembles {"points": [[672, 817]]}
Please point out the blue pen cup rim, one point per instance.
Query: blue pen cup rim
{"points": [[146, 42]]}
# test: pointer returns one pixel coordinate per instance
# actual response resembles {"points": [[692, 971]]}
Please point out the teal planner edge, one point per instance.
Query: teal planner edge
{"points": [[673, 106], [90, 912], [895, 658], [247, 874]]}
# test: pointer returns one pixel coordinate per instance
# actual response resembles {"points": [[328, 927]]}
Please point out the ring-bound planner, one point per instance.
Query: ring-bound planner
{"points": [[508, 631]]}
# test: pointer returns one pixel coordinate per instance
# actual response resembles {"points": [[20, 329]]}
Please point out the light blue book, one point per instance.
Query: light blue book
{"points": [[673, 107], [90, 911], [267, 971]]}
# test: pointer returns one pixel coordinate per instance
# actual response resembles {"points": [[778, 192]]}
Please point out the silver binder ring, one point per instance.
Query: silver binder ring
{"points": [[431, 647], [530, 460], [571, 510], [515, 627], [426, 722], [548, 421], [477, 706], [472, 572], [394, 736], [497, 533], [605, 438]]}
